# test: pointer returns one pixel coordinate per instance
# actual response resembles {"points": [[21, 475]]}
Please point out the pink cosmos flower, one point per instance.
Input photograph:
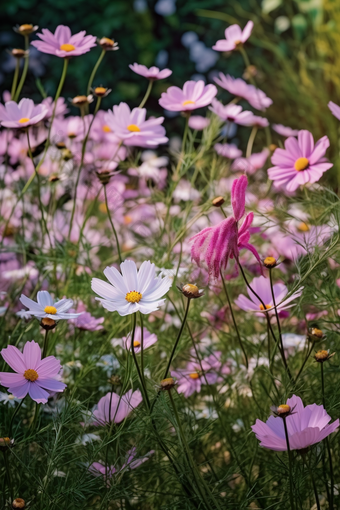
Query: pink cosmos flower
{"points": [[148, 340], [261, 286], [234, 37], [231, 113], [153, 73], [251, 164], [99, 469], [255, 120], [133, 129], [335, 109], [33, 375], [300, 162], [228, 150], [285, 130], [121, 406], [86, 321], [238, 87], [306, 426], [21, 115], [195, 94], [215, 245], [63, 44], [198, 122]]}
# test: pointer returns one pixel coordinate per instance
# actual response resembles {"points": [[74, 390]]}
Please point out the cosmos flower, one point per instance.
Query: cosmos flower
{"points": [[231, 112], [335, 109], [261, 286], [23, 114], [115, 408], [228, 150], [198, 122], [46, 307], [149, 339], [234, 37], [285, 130], [195, 94], [300, 162], [152, 73], [131, 291], [131, 462], [63, 44], [33, 375], [86, 321], [133, 129], [306, 426], [250, 165], [239, 88]]}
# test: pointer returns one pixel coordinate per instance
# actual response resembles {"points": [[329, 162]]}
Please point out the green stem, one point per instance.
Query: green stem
{"points": [[290, 465], [314, 485], [304, 362], [141, 379], [45, 347], [141, 346], [94, 71], [24, 71], [277, 318], [147, 94], [331, 495], [15, 78], [8, 473], [112, 225], [13, 416], [251, 141]]}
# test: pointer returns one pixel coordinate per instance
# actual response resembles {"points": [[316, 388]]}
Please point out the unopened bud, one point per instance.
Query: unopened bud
{"points": [[317, 333], [104, 176], [270, 262], [18, 53], [18, 503], [107, 44], [26, 29], [66, 154], [48, 323], [5, 443], [322, 356], [115, 380], [53, 178], [191, 291], [167, 384], [283, 409], [101, 91], [60, 145], [81, 100], [218, 201]]}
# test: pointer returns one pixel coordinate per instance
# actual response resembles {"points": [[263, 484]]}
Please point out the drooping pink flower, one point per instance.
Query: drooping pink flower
{"points": [[35, 376], [335, 109], [198, 122], [256, 121], [238, 87], [216, 245], [152, 73], [115, 408], [63, 44], [300, 162], [85, 321], [133, 129], [285, 130], [131, 462], [261, 286], [149, 339], [21, 115], [251, 164], [228, 150], [306, 426], [231, 113], [234, 37], [195, 94]]}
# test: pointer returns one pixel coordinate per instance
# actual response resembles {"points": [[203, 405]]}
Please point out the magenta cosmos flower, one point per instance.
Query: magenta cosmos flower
{"points": [[238, 87], [234, 37], [152, 73], [300, 162], [149, 339], [195, 94], [335, 109], [33, 375], [261, 286], [285, 130], [214, 246], [63, 44], [21, 115], [131, 462], [306, 426], [115, 408], [231, 112], [251, 164], [133, 129]]}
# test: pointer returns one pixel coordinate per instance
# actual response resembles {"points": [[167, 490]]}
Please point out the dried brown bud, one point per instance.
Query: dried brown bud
{"points": [[81, 100], [48, 323], [322, 356], [104, 176], [108, 44], [317, 333], [270, 262], [18, 53], [218, 202], [66, 154], [167, 384], [26, 29], [5, 443], [115, 380], [101, 91], [191, 291], [18, 503]]}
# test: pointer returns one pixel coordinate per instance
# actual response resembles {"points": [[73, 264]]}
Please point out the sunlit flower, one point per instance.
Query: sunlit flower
{"points": [[115, 408], [301, 161], [149, 339], [131, 291], [23, 114], [45, 306], [234, 37], [33, 375], [152, 73], [195, 94], [238, 87], [306, 426], [63, 44]]}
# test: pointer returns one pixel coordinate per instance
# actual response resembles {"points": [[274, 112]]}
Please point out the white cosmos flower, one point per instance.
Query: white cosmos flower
{"points": [[47, 307], [131, 291]]}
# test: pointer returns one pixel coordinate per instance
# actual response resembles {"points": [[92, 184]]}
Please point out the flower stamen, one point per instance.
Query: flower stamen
{"points": [[136, 343], [133, 296], [31, 375], [185, 103], [194, 375], [262, 307], [301, 164], [67, 47], [51, 310], [23, 120], [133, 128]]}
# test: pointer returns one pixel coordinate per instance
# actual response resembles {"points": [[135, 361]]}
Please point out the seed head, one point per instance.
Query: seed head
{"points": [[18, 503], [167, 384], [191, 291], [218, 201], [270, 262], [48, 323]]}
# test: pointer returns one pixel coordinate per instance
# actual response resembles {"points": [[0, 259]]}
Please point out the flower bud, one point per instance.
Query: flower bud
{"points": [[115, 380], [60, 145], [317, 333], [107, 44], [167, 384], [101, 91], [218, 201], [66, 154], [283, 409], [48, 323], [191, 291], [6, 443], [104, 176], [18, 53], [53, 178], [26, 29], [81, 100], [18, 503], [270, 262], [322, 356]]}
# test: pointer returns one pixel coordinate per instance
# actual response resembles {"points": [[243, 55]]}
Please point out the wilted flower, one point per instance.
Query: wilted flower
{"points": [[195, 94], [63, 44]]}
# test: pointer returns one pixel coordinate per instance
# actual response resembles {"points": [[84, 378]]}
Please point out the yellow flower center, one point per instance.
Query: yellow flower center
{"points": [[103, 208], [188, 102], [127, 220], [238, 43], [106, 129], [23, 120], [194, 375], [67, 47], [267, 307], [133, 297], [50, 310], [136, 343], [283, 409], [301, 164], [133, 128], [303, 227], [31, 375]]}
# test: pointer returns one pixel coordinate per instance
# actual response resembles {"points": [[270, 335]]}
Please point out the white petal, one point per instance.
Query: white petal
{"points": [[44, 298], [157, 292], [145, 276], [32, 305], [116, 279], [129, 272]]}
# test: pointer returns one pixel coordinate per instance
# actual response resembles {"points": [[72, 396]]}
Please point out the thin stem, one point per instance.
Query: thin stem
{"points": [[24, 71], [8, 473], [45, 347], [277, 318], [13, 416], [112, 225], [147, 94], [323, 386], [331, 495], [234, 321], [251, 141], [314, 485], [141, 345], [290, 465], [94, 71], [304, 362], [141, 379], [15, 78]]}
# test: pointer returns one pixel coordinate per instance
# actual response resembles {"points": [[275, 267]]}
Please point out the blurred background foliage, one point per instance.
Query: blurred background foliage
{"points": [[295, 47]]}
